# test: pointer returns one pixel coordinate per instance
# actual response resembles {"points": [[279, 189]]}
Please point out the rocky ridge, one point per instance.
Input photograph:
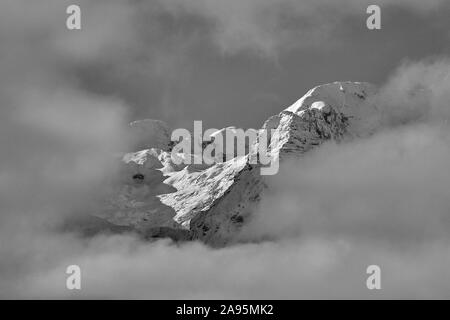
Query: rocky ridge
{"points": [[159, 198]]}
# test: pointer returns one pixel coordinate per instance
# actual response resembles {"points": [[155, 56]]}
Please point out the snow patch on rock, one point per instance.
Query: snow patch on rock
{"points": [[211, 202]]}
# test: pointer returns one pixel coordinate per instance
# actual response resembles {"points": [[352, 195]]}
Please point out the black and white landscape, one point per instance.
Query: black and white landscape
{"points": [[358, 120]]}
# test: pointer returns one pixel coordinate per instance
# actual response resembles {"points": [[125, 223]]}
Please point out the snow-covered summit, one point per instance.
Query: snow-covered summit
{"points": [[344, 95], [352, 99], [211, 203]]}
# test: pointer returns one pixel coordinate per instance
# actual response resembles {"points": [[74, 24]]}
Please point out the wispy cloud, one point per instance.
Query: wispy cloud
{"points": [[267, 28]]}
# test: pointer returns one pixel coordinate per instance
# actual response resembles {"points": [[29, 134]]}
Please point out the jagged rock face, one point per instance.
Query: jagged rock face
{"points": [[317, 117], [197, 191], [230, 149], [354, 100], [222, 220], [212, 202]]}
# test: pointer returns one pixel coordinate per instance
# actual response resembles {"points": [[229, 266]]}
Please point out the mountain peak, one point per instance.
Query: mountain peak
{"points": [[211, 203], [354, 100], [339, 94]]}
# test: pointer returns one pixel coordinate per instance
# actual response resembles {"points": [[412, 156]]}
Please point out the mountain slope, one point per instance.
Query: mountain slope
{"points": [[211, 203]]}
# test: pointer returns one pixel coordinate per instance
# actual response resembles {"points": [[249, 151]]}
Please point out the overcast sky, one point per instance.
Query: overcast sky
{"points": [[239, 62], [224, 62]]}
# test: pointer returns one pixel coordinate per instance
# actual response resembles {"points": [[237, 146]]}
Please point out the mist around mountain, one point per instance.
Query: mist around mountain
{"points": [[363, 180]]}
